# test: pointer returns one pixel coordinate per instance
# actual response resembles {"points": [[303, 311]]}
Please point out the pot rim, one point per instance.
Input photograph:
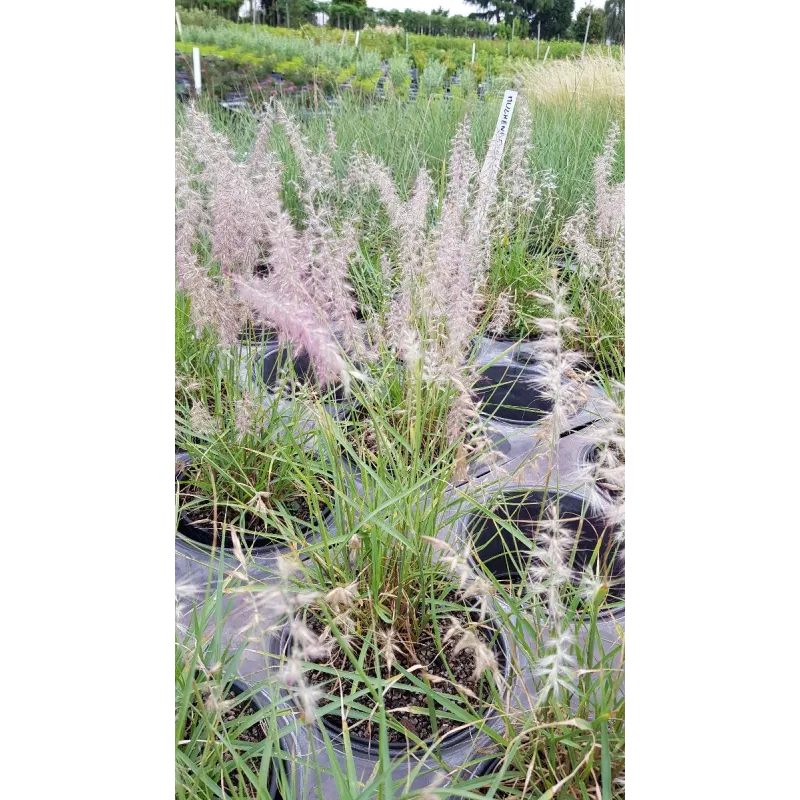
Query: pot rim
{"points": [[369, 747]]}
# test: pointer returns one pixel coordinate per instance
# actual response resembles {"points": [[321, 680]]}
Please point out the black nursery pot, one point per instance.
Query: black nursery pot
{"points": [[370, 747], [277, 359], [508, 558], [257, 333], [506, 393], [254, 705], [204, 534]]}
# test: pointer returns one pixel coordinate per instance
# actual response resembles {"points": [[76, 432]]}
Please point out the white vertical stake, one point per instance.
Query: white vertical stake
{"points": [[545, 54], [586, 35], [178, 23], [538, 38], [357, 35], [501, 132], [198, 80], [473, 53]]}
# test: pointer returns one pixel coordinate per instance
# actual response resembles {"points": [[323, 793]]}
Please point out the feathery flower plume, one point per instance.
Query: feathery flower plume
{"points": [[470, 583], [598, 239], [292, 676], [520, 192], [297, 322], [316, 168], [503, 313], [558, 668], [604, 475], [389, 647], [549, 569], [609, 200], [468, 640], [213, 305], [548, 572], [201, 421], [556, 378], [591, 585], [484, 657], [340, 598], [245, 414], [576, 233], [261, 160]]}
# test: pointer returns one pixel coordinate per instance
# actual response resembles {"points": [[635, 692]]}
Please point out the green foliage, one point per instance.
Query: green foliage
{"points": [[615, 20], [399, 66], [555, 20], [201, 18], [597, 26], [466, 81], [432, 79], [367, 64]]}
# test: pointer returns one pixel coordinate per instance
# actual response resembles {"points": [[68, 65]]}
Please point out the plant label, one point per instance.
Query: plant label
{"points": [[178, 23], [504, 120], [492, 166], [358, 33], [473, 50]]}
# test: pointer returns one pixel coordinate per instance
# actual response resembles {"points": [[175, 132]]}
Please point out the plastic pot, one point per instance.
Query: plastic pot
{"points": [[507, 558], [256, 334], [370, 748], [204, 534], [277, 359], [182, 462], [255, 704], [506, 393]]}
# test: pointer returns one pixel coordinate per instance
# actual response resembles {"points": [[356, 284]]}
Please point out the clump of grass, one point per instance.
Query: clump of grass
{"points": [[226, 733], [254, 470], [399, 69], [594, 78], [367, 63], [432, 79]]}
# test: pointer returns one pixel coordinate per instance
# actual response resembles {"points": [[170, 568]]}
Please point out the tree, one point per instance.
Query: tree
{"points": [[597, 26], [615, 20], [556, 19]]}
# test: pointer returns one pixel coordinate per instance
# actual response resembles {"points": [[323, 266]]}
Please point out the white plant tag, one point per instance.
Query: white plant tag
{"points": [[473, 53], [198, 80], [358, 33], [504, 120], [178, 22], [495, 155]]}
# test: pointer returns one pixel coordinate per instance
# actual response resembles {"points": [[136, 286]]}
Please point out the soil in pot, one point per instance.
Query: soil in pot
{"points": [[435, 660], [508, 556], [235, 780], [196, 520], [506, 393]]}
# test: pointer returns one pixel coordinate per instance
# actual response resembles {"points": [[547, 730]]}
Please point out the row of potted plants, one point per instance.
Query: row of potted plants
{"points": [[226, 71], [385, 598]]}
